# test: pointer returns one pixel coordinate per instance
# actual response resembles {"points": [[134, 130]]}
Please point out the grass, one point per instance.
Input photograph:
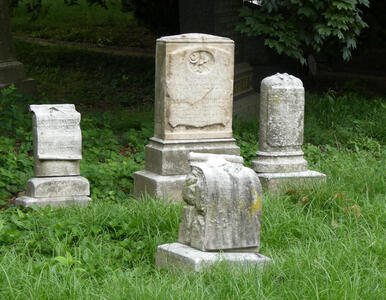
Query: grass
{"points": [[326, 242], [89, 79], [82, 23]]}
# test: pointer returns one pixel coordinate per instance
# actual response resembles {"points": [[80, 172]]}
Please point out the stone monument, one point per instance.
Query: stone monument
{"points": [[57, 140], [11, 70], [220, 17], [193, 110], [222, 216], [280, 159]]}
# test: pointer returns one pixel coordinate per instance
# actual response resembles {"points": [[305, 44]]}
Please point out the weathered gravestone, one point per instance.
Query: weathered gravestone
{"points": [[11, 70], [57, 143], [280, 159], [219, 17], [193, 110], [222, 213]]}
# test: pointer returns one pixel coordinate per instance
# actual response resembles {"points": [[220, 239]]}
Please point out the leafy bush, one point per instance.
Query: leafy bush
{"points": [[298, 28]]}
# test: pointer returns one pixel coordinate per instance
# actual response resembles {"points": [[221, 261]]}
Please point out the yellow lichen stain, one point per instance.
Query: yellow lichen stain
{"points": [[241, 204], [257, 204]]}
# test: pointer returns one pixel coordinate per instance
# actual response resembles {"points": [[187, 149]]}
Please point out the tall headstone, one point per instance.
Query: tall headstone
{"points": [[222, 214], [280, 159], [11, 70], [220, 17], [57, 140], [193, 110]]}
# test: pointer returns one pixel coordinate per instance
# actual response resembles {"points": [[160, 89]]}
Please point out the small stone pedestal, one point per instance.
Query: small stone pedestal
{"points": [[280, 160], [193, 110], [181, 256], [221, 221], [11, 70], [57, 153]]}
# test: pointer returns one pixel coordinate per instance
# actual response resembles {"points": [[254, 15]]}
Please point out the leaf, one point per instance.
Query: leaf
{"points": [[307, 11], [62, 260]]}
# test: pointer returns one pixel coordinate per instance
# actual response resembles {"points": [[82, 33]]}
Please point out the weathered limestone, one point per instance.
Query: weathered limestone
{"points": [[223, 213], [193, 110], [279, 161], [57, 142], [11, 70], [180, 256]]}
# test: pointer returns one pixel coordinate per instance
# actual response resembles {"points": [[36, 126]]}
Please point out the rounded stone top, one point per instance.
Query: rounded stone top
{"points": [[282, 80], [194, 38]]}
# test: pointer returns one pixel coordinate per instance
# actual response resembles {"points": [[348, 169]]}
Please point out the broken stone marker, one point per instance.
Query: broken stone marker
{"points": [[193, 110], [57, 140], [11, 70], [222, 218], [280, 160]]}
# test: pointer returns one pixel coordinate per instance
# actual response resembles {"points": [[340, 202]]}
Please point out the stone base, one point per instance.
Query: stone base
{"points": [[170, 157], [158, 186], [25, 87], [53, 187], [56, 191], [54, 202], [180, 256], [280, 181], [279, 162], [167, 164]]}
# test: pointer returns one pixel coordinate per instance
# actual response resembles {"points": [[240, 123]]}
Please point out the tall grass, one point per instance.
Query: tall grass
{"points": [[326, 241]]}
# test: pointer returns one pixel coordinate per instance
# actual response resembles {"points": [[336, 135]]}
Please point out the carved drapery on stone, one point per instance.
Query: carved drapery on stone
{"points": [[224, 204]]}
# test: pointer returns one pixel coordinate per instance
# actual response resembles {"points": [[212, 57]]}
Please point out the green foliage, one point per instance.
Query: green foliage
{"points": [[77, 76], [15, 146], [297, 28], [159, 16], [246, 135], [83, 23]]}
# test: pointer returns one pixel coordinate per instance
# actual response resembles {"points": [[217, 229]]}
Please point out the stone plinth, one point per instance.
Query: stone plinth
{"points": [[222, 214], [180, 256], [57, 147], [280, 159], [278, 182], [193, 110], [11, 70]]}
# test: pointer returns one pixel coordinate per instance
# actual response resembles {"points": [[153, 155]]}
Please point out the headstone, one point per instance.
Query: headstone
{"points": [[57, 147], [220, 17], [11, 70], [222, 214], [193, 110], [280, 159]]}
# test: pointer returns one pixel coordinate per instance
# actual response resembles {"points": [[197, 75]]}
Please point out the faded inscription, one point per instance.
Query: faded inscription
{"points": [[200, 98], [285, 117], [57, 132]]}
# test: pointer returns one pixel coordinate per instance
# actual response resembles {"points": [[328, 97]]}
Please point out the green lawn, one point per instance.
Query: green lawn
{"points": [[82, 23], [326, 242]]}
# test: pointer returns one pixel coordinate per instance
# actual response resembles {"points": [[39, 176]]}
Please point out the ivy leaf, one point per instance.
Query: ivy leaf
{"points": [[306, 11]]}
